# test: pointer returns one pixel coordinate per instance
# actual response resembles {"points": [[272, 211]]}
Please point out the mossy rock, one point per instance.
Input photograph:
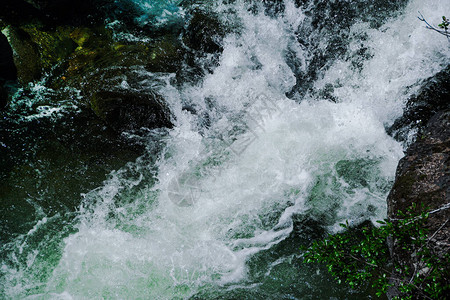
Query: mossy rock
{"points": [[81, 35], [25, 53], [101, 52], [53, 46]]}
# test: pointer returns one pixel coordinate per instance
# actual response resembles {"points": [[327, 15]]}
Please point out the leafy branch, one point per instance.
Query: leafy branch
{"points": [[444, 26], [360, 256]]}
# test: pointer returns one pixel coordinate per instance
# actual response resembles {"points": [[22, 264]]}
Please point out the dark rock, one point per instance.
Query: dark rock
{"points": [[204, 33], [202, 37], [53, 12], [19, 12], [119, 97], [8, 70], [3, 96], [127, 110], [433, 97], [423, 177], [26, 55], [166, 55]]}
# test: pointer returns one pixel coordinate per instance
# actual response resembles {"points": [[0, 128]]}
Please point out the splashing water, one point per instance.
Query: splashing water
{"points": [[235, 177]]}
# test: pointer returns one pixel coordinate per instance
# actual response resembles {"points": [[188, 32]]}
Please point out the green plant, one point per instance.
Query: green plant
{"points": [[360, 256], [444, 24]]}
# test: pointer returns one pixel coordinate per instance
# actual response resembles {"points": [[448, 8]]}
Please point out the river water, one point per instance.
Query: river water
{"points": [[280, 142]]}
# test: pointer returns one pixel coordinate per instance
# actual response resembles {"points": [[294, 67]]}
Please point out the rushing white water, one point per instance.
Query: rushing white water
{"points": [[230, 190]]}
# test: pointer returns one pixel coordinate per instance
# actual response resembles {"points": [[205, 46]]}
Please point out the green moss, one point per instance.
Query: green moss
{"points": [[53, 46], [81, 36]]}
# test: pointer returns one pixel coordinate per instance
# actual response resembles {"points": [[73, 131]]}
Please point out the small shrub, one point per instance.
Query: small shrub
{"points": [[361, 256]]}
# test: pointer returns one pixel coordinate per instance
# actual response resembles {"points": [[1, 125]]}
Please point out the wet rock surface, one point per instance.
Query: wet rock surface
{"points": [[92, 60], [423, 175], [433, 97]]}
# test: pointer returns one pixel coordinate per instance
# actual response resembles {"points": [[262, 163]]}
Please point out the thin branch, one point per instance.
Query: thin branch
{"points": [[443, 32], [431, 237], [443, 207]]}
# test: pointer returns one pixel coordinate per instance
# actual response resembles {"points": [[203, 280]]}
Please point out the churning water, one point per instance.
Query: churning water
{"points": [[271, 147]]}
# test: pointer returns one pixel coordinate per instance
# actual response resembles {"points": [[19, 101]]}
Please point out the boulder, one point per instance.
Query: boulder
{"points": [[204, 32], [119, 97], [54, 46], [128, 110], [25, 53], [423, 177], [433, 97]]}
